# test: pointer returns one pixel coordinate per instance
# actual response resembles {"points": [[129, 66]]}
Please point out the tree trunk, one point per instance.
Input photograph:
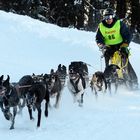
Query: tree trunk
{"points": [[135, 19]]}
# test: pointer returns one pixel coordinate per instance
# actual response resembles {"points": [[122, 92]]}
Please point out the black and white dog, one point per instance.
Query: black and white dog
{"points": [[78, 80], [98, 82]]}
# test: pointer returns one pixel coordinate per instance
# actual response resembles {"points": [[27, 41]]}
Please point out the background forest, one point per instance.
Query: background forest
{"points": [[80, 14]]}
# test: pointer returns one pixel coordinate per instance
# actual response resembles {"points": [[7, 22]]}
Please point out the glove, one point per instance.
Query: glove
{"points": [[124, 45], [101, 46]]}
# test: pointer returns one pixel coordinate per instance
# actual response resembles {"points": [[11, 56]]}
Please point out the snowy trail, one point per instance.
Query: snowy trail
{"points": [[107, 116]]}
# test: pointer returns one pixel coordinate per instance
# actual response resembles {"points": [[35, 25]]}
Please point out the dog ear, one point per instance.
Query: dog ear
{"points": [[59, 66], [52, 71], [1, 79], [94, 79], [6, 82]]}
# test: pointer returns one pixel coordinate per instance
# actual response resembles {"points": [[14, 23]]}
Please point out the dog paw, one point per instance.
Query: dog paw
{"points": [[80, 105]]}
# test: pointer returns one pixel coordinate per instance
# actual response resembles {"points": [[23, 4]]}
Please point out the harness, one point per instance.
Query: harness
{"points": [[2, 92], [75, 84]]}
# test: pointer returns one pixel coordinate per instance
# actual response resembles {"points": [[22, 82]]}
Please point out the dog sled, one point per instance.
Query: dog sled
{"points": [[124, 75]]}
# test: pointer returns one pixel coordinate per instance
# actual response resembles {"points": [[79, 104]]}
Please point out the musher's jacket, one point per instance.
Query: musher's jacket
{"points": [[113, 34]]}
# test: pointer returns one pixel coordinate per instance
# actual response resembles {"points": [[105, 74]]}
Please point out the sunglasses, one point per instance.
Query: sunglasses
{"points": [[108, 17]]}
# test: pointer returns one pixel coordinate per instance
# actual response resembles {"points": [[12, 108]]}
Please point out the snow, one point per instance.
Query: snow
{"points": [[29, 46]]}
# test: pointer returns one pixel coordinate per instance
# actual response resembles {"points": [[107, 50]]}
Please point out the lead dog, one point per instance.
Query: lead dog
{"points": [[9, 100]]}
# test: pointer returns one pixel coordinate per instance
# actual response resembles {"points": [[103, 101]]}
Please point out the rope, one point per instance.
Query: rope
{"points": [[94, 67], [124, 65]]}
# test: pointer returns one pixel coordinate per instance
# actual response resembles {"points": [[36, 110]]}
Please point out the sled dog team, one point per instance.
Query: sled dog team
{"points": [[32, 90]]}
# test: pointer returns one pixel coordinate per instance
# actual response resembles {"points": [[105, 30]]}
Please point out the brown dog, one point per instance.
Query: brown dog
{"points": [[98, 81]]}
